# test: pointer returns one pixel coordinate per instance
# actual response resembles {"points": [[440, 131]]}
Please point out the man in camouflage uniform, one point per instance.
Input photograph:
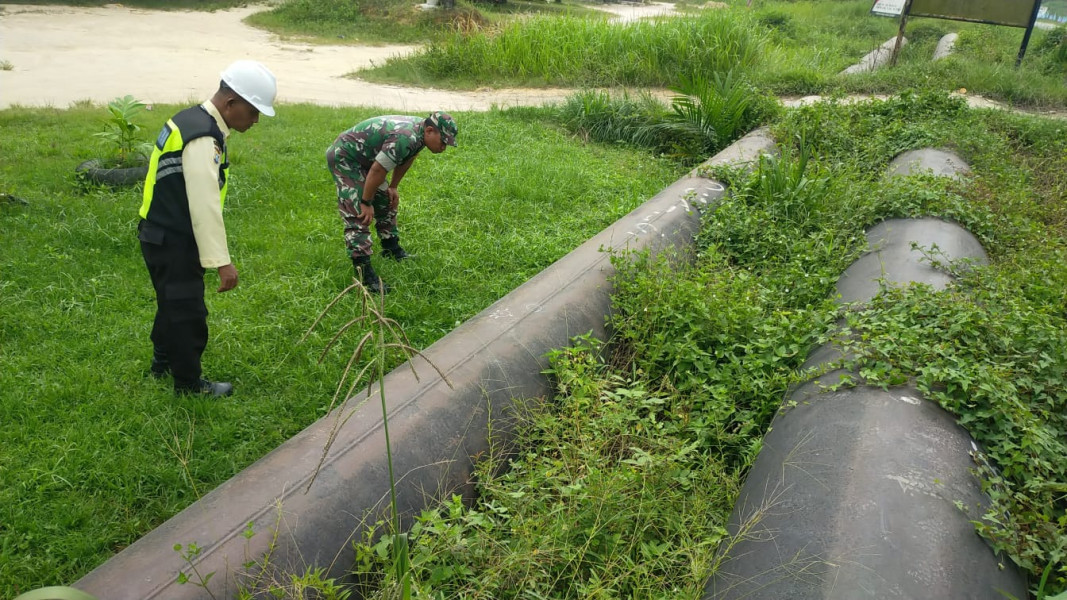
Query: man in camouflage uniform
{"points": [[360, 159]]}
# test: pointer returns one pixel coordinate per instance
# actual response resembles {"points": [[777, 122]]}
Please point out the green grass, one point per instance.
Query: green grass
{"points": [[786, 47], [990, 350], [574, 52], [704, 117], [88, 454], [621, 485], [811, 42], [814, 41], [984, 63]]}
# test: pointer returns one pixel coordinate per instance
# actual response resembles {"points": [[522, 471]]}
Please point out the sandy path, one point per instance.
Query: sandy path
{"points": [[61, 55], [627, 11]]}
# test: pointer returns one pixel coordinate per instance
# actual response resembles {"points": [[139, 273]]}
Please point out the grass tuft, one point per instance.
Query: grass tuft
{"points": [[580, 52]]}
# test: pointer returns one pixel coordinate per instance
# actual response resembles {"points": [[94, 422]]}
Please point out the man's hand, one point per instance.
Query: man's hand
{"points": [[366, 214], [394, 199], [227, 277]]}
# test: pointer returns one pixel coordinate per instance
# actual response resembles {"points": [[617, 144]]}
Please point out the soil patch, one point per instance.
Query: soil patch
{"points": [[60, 55], [632, 11]]}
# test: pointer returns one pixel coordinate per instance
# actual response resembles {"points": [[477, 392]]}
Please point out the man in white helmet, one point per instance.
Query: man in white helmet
{"points": [[181, 230]]}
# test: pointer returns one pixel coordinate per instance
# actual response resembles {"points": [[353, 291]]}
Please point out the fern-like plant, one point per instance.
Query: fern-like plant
{"points": [[709, 113]]}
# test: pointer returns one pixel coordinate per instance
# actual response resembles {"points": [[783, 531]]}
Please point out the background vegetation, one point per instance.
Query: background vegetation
{"points": [[789, 48], [392, 21]]}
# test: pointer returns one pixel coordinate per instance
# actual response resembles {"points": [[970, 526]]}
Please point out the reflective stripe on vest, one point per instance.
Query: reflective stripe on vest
{"points": [[165, 182]]}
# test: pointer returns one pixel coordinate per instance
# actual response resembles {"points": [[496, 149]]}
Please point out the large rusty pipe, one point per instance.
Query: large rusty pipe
{"points": [[854, 493]]}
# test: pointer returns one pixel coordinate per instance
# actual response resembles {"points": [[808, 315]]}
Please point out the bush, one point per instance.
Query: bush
{"points": [[581, 52], [606, 497], [1051, 50], [783, 22], [706, 115], [124, 146], [601, 117], [711, 112], [926, 30]]}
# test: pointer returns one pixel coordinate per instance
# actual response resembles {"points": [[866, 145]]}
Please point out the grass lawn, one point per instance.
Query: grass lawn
{"points": [[93, 453]]}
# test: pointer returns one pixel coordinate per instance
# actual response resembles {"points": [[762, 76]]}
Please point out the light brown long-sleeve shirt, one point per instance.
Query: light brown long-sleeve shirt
{"points": [[200, 163]]}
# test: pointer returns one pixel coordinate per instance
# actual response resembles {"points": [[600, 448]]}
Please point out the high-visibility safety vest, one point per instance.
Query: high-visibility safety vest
{"points": [[165, 201]]}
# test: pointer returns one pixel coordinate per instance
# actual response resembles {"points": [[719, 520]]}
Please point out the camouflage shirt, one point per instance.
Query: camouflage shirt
{"points": [[391, 140]]}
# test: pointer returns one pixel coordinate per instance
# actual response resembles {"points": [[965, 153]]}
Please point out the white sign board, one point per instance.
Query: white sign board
{"points": [[888, 8]]}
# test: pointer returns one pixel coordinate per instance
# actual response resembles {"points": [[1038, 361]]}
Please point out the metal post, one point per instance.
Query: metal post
{"points": [[900, 33], [1029, 30]]}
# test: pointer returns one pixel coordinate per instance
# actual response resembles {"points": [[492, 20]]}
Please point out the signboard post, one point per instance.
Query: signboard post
{"points": [[1013, 13], [888, 8], [1029, 30], [900, 32]]}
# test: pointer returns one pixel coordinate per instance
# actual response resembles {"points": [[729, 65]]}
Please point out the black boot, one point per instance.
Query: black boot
{"points": [[391, 248], [203, 387], [365, 273]]}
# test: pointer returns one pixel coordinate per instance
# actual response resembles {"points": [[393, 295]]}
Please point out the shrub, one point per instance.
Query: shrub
{"points": [[121, 133], [1051, 50], [926, 30], [581, 52], [706, 115], [771, 19], [709, 113], [601, 117]]}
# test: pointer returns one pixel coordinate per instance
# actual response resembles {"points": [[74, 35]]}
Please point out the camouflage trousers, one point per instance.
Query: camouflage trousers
{"points": [[350, 179]]}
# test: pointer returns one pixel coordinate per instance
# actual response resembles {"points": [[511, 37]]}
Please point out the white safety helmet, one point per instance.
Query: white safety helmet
{"points": [[254, 82]]}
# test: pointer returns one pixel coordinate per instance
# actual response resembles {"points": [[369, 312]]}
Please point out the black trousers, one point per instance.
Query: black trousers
{"points": [[180, 327]]}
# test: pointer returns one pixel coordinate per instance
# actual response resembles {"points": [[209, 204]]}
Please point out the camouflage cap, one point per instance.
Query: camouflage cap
{"points": [[444, 123]]}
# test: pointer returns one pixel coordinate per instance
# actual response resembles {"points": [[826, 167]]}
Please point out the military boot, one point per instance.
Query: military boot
{"points": [[391, 248], [203, 387], [365, 273]]}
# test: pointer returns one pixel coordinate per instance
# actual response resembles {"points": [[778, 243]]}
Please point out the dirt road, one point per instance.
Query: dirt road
{"points": [[59, 55]]}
